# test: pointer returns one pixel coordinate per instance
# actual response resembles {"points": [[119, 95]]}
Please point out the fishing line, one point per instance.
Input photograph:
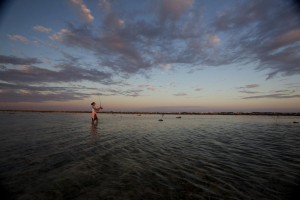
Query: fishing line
{"points": [[99, 100]]}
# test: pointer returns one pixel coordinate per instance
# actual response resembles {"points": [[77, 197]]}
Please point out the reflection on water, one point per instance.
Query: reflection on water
{"points": [[63, 156], [94, 132]]}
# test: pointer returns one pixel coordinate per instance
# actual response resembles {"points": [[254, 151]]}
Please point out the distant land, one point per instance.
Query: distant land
{"points": [[167, 113]]}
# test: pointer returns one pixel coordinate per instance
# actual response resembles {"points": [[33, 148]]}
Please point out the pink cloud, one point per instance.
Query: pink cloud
{"points": [[42, 29], [19, 38], [287, 38], [83, 9], [174, 8], [214, 40]]}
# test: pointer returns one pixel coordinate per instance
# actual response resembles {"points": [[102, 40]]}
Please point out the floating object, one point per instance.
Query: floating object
{"points": [[296, 122], [162, 115], [178, 117]]}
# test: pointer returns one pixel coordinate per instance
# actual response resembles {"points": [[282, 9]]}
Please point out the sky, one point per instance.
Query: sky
{"points": [[151, 55]]}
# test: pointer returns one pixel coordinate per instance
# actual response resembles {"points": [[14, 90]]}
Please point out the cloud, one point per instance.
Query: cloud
{"points": [[105, 5], [280, 91], [273, 96], [66, 73], [26, 82], [133, 45], [113, 50], [289, 37], [27, 93], [214, 40], [132, 92], [165, 67], [111, 22], [18, 61], [174, 33], [83, 10], [248, 89], [256, 38], [166, 34], [250, 86], [279, 94], [59, 35], [173, 9], [19, 38], [42, 29], [148, 87], [180, 94]]}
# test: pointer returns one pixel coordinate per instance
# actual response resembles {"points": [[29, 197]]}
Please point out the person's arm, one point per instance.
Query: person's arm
{"points": [[100, 108]]}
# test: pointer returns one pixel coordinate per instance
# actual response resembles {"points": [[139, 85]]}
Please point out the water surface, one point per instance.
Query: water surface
{"points": [[62, 156]]}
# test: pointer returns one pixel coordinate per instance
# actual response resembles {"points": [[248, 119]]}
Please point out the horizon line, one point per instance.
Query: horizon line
{"points": [[154, 112]]}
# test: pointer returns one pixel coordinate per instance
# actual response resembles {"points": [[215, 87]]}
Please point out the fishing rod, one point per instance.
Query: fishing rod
{"points": [[99, 101]]}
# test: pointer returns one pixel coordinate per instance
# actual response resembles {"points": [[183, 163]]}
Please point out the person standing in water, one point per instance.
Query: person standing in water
{"points": [[94, 112]]}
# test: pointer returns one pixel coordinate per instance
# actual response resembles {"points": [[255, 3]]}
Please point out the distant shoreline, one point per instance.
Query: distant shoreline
{"points": [[166, 113]]}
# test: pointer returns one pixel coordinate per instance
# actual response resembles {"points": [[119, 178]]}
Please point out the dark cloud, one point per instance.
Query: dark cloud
{"points": [[280, 91], [17, 83], [273, 96], [112, 49], [132, 92], [248, 89], [279, 94], [174, 32], [28, 93], [18, 61], [252, 86], [66, 73], [262, 35], [136, 45], [293, 85], [171, 10], [11, 92], [251, 89], [265, 34], [180, 94]]}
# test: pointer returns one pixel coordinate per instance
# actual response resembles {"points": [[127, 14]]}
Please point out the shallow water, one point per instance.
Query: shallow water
{"points": [[62, 156]]}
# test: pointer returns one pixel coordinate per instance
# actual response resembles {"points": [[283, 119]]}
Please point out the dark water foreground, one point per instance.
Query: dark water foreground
{"points": [[62, 156]]}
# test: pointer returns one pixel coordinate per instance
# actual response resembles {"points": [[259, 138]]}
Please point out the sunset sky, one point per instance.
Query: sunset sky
{"points": [[151, 55]]}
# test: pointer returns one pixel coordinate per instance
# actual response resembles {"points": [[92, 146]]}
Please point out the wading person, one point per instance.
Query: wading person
{"points": [[94, 112]]}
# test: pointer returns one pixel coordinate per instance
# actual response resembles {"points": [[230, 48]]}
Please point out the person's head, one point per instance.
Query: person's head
{"points": [[93, 103]]}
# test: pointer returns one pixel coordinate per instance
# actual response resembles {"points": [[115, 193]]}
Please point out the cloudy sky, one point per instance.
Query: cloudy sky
{"points": [[151, 55]]}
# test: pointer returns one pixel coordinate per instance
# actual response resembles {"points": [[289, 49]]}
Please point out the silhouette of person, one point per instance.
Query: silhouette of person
{"points": [[94, 112]]}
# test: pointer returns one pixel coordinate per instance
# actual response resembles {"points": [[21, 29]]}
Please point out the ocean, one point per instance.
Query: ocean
{"points": [[62, 156]]}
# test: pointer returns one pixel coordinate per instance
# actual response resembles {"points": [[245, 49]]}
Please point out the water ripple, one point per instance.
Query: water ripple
{"points": [[62, 156]]}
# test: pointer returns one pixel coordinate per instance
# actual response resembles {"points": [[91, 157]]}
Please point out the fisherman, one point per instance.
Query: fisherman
{"points": [[94, 112]]}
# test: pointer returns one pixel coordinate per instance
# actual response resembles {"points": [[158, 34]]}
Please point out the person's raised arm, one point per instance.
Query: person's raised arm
{"points": [[100, 108]]}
